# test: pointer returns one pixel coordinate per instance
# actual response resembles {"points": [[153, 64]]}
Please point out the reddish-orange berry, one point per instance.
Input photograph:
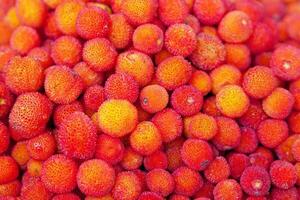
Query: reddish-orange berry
{"points": [[4, 138], [279, 103], [173, 72], [294, 122], [41, 147], [218, 170], [196, 154], [117, 118], [172, 11], [157, 160], [160, 181], [88, 76], [150, 196], [34, 167], [255, 181], [238, 163], [139, 11], [210, 52], [187, 100], [59, 174], [232, 101], [100, 54], [20, 153], [35, 189], [235, 27], [131, 159], [228, 135], [17, 72], [203, 126], [282, 194], [148, 38], [93, 22], [66, 196], [127, 186], [88, 177], [228, 189], [248, 142], [210, 107], [295, 150], [66, 50], [23, 39], [209, 12], [187, 181], [50, 27], [283, 174], [6, 32], [41, 54], [193, 22], [202, 81], [238, 55], [253, 116], [136, 64], [6, 100], [169, 123], [285, 62], [30, 114], [120, 32], [121, 86], [61, 112], [180, 40], [62, 84], [10, 190], [109, 149], [254, 9], [154, 98], [93, 97], [9, 169], [31, 12]]}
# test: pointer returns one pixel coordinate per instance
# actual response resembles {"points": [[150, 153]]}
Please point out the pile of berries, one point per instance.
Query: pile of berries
{"points": [[149, 99]]}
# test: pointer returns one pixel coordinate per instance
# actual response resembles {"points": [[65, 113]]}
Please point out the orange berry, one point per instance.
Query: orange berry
{"points": [[61, 112], [218, 170], [50, 27], [99, 46], [41, 54], [202, 81], [35, 189], [131, 159], [88, 76], [117, 118], [17, 72], [228, 189], [145, 139], [66, 50], [160, 181], [148, 38], [20, 153], [11, 18], [11, 189], [173, 72], [93, 22], [23, 39], [136, 64], [34, 167], [157, 160], [238, 55], [154, 98], [66, 14], [172, 11], [232, 101], [235, 27], [31, 12], [93, 97], [59, 174], [210, 52], [9, 169], [6, 32], [4, 138], [88, 177], [203, 126], [209, 12], [62, 84]]}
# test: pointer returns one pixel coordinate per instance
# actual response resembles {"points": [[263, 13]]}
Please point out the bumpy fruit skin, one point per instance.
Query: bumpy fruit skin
{"points": [[66, 50], [249, 141], [127, 186], [172, 11], [180, 40], [294, 122], [9, 169], [210, 52], [35, 189], [202, 81], [100, 54], [88, 179], [173, 72], [67, 196], [6, 100], [148, 38], [169, 123], [4, 138], [93, 22], [279, 103], [209, 13], [59, 174], [272, 132], [150, 196], [10, 190], [87, 74], [83, 144], [131, 159], [66, 14], [121, 86], [228, 189], [238, 163], [62, 84], [157, 160], [238, 55], [187, 181], [154, 98], [160, 181], [42, 55], [21, 45], [283, 174], [20, 153], [17, 72], [259, 82], [228, 135], [255, 181], [121, 31], [218, 170], [281, 194], [232, 101], [61, 112], [196, 154], [30, 114], [187, 100], [285, 62], [117, 118], [253, 116], [93, 97], [139, 12], [145, 139], [235, 27]]}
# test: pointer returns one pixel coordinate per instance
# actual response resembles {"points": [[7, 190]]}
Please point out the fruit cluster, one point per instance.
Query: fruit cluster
{"points": [[149, 99]]}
